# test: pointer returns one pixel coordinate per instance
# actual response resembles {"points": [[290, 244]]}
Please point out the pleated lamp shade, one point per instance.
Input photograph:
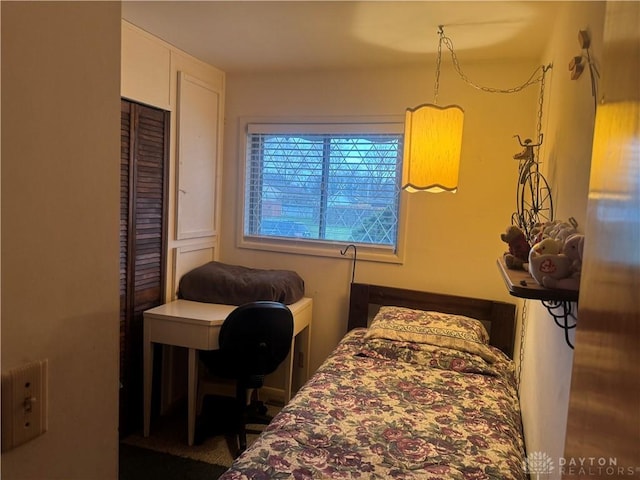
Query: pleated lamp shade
{"points": [[432, 144]]}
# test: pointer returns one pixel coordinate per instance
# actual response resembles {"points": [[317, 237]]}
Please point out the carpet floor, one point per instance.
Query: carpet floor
{"points": [[213, 451], [137, 463]]}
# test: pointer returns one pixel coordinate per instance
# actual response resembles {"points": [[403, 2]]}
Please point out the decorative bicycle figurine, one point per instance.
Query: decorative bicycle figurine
{"points": [[533, 197]]}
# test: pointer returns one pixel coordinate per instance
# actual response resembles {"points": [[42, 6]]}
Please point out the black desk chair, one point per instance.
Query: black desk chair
{"points": [[253, 341]]}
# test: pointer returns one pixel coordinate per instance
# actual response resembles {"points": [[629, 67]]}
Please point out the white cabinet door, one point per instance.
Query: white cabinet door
{"points": [[199, 106]]}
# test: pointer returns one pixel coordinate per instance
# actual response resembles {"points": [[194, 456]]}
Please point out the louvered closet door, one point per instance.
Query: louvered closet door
{"points": [[143, 187]]}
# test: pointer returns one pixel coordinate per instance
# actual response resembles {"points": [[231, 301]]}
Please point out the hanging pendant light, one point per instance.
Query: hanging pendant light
{"points": [[432, 143]]}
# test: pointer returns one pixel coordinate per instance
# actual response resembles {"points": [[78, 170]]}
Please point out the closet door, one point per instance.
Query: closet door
{"points": [[143, 225]]}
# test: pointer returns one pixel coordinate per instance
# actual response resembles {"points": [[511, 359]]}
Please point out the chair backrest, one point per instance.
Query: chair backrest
{"points": [[255, 338]]}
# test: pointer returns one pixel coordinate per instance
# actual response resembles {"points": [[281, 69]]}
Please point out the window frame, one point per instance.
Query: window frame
{"points": [[313, 247]]}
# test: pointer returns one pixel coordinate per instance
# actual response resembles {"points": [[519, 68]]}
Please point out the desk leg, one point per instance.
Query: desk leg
{"points": [[288, 371], [307, 332], [147, 361], [192, 394]]}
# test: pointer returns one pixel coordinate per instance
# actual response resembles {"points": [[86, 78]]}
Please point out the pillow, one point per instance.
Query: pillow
{"points": [[405, 324], [434, 328], [216, 282]]}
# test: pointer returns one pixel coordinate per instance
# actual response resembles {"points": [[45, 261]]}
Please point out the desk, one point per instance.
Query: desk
{"points": [[195, 325]]}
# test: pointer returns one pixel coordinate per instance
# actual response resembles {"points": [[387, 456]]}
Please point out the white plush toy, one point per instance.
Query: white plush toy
{"points": [[545, 260], [572, 249]]}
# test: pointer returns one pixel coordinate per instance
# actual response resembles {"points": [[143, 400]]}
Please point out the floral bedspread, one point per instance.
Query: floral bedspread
{"points": [[394, 414]]}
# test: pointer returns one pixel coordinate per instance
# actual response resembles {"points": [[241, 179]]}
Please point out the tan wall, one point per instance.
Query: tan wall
{"points": [[568, 128], [60, 221], [453, 240]]}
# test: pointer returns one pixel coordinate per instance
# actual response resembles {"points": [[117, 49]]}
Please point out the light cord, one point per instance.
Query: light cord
{"points": [[438, 63], [533, 79], [538, 76], [523, 328]]}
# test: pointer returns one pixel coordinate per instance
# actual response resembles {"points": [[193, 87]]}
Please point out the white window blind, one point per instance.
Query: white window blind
{"points": [[336, 182]]}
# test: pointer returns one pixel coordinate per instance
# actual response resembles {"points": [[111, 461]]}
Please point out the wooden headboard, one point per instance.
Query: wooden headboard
{"points": [[500, 316]]}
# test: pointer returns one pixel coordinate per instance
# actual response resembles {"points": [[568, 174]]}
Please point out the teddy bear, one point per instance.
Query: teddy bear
{"points": [[572, 249], [518, 255]]}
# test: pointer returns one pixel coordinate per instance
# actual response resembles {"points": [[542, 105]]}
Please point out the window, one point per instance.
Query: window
{"points": [[320, 183]]}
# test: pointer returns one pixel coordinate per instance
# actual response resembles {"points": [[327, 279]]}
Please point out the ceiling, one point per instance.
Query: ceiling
{"points": [[250, 36]]}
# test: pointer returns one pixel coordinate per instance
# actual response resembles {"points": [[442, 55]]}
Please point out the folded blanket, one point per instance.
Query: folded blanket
{"points": [[216, 282]]}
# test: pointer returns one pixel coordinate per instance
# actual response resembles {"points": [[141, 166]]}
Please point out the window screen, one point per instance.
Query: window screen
{"points": [[338, 183]]}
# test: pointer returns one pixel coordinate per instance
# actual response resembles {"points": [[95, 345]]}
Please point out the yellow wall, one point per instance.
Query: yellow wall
{"points": [[60, 222], [453, 240], [568, 128]]}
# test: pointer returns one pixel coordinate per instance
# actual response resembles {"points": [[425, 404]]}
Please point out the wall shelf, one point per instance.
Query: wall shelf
{"points": [[521, 284]]}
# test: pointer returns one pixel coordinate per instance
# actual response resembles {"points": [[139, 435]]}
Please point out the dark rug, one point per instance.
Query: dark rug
{"points": [[138, 463]]}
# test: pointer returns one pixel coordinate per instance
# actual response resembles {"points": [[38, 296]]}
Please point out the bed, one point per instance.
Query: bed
{"points": [[415, 389]]}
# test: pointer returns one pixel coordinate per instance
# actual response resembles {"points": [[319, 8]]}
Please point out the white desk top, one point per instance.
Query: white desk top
{"points": [[186, 311]]}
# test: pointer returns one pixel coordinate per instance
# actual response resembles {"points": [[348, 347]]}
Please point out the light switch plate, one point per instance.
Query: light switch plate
{"points": [[24, 404]]}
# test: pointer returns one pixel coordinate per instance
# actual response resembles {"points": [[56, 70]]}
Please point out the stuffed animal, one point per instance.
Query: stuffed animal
{"points": [[556, 229], [572, 249], [545, 260], [518, 254], [547, 246]]}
